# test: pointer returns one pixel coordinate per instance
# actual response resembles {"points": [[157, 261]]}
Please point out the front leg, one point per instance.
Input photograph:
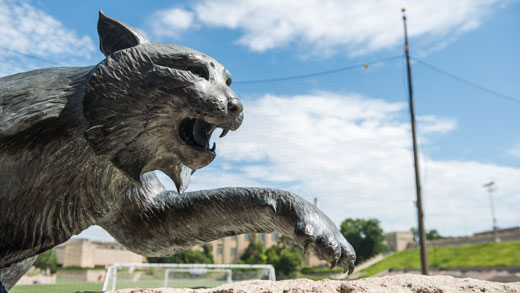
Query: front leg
{"points": [[167, 223], [11, 274]]}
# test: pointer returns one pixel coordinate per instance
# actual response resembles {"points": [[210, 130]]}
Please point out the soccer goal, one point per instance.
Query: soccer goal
{"points": [[120, 276]]}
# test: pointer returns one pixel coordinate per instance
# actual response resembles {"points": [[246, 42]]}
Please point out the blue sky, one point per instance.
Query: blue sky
{"points": [[341, 137]]}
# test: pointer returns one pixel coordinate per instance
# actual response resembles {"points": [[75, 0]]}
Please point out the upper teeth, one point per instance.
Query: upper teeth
{"points": [[224, 132], [197, 132]]}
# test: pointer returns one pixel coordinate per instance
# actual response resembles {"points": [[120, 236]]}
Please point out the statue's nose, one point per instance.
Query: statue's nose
{"points": [[235, 106]]}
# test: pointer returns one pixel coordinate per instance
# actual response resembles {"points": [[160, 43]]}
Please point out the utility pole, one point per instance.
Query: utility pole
{"points": [[490, 188], [420, 214]]}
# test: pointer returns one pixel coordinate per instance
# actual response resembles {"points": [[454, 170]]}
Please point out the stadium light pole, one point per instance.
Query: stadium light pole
{"points": [[490, 186], [420, 214]]}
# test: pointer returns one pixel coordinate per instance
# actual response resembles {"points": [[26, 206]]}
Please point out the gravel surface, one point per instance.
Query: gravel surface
{"points": [[399, 283]]}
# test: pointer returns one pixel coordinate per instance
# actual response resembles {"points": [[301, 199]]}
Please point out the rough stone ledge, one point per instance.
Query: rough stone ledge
{"points": [[397, 284]]}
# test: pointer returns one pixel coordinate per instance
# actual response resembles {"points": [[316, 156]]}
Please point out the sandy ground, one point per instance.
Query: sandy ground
{"points": [[399, 283]]}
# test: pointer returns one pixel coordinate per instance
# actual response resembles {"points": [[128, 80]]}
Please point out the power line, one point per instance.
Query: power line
{"points": [[467, 82], [318, 73], [346, 68]]}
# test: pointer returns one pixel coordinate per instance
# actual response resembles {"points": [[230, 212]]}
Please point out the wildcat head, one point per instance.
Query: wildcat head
{"points": [[153, 106]]}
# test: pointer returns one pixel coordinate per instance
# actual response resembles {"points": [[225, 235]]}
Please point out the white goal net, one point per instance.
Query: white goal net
{"points": [[120, 276]]}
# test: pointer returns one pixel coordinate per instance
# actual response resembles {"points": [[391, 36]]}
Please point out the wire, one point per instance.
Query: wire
{"points": [[346, 68], [318, 73], [467, 82]]}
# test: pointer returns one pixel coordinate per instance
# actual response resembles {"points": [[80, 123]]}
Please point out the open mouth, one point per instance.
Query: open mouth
{"points": [[197, 133]]}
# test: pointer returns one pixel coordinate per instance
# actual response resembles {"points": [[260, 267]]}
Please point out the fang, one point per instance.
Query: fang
{"points": [[224, 132]]}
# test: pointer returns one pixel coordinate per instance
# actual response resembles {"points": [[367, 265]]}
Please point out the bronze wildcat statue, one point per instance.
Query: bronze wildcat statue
{"points": [[78, 147]]}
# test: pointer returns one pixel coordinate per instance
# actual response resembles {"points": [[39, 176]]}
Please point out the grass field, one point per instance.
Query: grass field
{"points": [[476, 255], [472, 255], [121, 284], [73, 287], [63, 288]]}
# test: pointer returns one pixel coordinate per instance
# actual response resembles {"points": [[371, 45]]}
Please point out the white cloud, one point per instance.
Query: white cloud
{"points": [[456, 200], [430, 123], [26, 30], [171, 22], [326, 26], [354, 154]]}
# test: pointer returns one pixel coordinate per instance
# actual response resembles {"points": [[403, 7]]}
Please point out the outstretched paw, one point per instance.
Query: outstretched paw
{"points": [[317, 231]]}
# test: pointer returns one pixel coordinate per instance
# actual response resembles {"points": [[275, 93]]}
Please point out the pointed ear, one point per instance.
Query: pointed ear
{"points": [[115, 35]]}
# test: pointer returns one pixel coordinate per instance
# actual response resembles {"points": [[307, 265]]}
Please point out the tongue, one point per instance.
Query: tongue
{"points": [[181, 177]]}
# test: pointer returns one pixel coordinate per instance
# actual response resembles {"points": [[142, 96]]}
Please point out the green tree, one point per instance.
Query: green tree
{"points": [[366, 236], [207, 249], [415, 234], [433, 235], [254, 253], [187, 256], [285, 258], [286, 261], [47, 259]]}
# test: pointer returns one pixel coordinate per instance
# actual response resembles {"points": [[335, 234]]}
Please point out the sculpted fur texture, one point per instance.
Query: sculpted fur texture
{"points": [[78, 147]]}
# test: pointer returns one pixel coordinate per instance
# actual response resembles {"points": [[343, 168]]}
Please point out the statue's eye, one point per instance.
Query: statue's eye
{"points": [[199, 71], [227, 76]]}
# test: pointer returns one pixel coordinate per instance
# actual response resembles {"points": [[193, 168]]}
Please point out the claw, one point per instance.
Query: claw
{"points": [[350, 269], [333, 263]]}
